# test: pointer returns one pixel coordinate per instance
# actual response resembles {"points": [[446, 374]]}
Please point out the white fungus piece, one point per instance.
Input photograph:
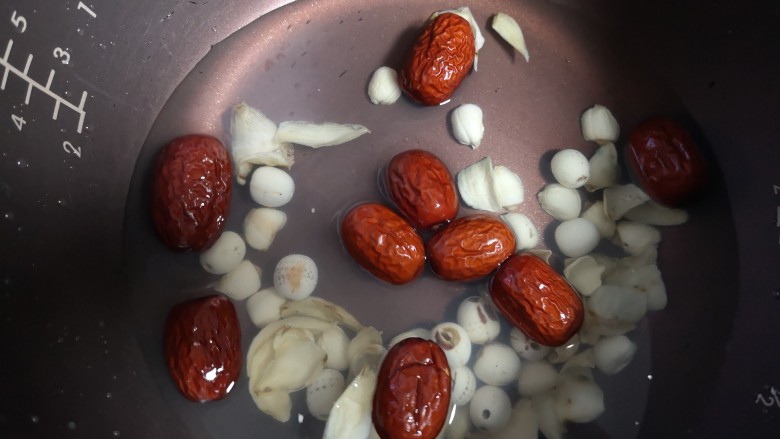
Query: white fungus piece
{"points": [[643, 278], [525, 347], [459, 424], [412, 333], [225, 254], [508, 187], [604, 168], [547, 415], [335, 343], [383, 88], [562, 353], [323, 392], [265, 307], [271, 187], [295, 277], [454, 341], [365, 337], [584, 273], [479, 319], [254, 142], [621, 198], [599, 125], [526, 234], [635, 237], [508, 29], [576, 237], [476, 186], [613, 353], [318, 135], [368, 356], [570, 168], [241, 282], [350, 417], [609, 263], [615, 304], [595, 214], [578, 398], [467, 125], [497, 364], [536, 377], [261, 226], [655, 214], [464, 385], [490, 408], [561, 202]]}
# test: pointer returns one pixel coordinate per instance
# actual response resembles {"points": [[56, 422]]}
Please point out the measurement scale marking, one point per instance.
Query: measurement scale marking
{"points": [[35, 84]]}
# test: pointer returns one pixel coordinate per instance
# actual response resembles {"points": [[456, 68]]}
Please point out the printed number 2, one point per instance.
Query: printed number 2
{"points": [[70, 149], [59, 53], [19, 21], [18, 121]]}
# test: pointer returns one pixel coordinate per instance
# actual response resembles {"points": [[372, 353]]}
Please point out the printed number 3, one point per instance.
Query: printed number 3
{"points": [[59, 53], [19, 21]]}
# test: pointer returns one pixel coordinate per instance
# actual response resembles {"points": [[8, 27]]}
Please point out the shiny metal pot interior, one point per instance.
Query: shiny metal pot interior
{"points": [[86, 285]]}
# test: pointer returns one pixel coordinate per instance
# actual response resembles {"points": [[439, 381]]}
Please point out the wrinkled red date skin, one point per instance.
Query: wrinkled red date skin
{"points": [[666, 161], [421, 186], [203, 348], [191, 192], [470, 248], [413, 391], [439, 60], [383, 243], [532, 296]]}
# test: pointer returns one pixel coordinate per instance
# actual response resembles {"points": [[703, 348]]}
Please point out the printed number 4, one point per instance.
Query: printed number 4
{"points": [[18, 121]]}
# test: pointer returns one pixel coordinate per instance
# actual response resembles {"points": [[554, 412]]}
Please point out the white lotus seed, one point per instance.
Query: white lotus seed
{"points": [[603, 168], [261, 226], [225, 254], [599, 125], [295, 277], [265, 307], [576, 237], [271, 187], [613, 353], [335, 343], [561, 202], [536, 377], [454, 341], [525, 347], [241, 282], [490, 408], [570, 168], [464, 385], [383, 88], [323, 392], [479, 319], [467, 125], [497, 364]]}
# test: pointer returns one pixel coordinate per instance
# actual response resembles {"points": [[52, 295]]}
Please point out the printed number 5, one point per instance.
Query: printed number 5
{"points": [[19, 21], [59, 53]]}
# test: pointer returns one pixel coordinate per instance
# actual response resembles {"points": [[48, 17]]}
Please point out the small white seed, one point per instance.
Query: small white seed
{"points": [[454, 341], [570, 168], [497, 364], [561, 202], [323, 392], [525, 347], [271, 187], [241, 282], [467, 126], [295, 277], [464, 385], [490, 408], [613, 353], [526, 235], [225, 254], [383, 88], [265, 307], [479, 319], [599, 125], [261, 226], [576, 237]]}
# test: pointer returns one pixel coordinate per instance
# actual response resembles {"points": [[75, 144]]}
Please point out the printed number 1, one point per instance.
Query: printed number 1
{"points": [[18, 121], [86, 9]]}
